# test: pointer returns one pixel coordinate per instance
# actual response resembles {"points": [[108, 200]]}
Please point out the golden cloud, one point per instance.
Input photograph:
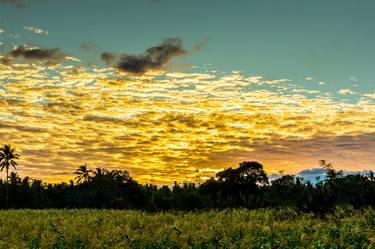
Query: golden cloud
{"points": [[178, 126]]}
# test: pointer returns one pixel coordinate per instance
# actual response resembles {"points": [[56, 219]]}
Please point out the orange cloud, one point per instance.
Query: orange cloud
{"points": [[177, 126]]}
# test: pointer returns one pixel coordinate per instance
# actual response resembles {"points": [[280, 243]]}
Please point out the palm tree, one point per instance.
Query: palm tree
{"points": [[99, 172], [7, 158], [83, 174]]}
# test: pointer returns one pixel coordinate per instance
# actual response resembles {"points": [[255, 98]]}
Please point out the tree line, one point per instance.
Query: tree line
{"points": [[246, 186]]}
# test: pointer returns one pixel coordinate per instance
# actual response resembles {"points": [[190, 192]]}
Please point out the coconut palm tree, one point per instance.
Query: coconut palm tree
{"points": [[100, 172], [7, 159], [83, 174]]}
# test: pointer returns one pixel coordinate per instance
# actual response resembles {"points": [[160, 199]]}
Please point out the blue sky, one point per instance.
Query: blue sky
{"points": [[330, 41]]}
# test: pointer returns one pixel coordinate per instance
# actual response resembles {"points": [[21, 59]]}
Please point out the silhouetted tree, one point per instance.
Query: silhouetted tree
{"points": [[239, 186], [83, 174], [330, 173], [245, 186], [7, 159], [288, 190], [99, 172]]}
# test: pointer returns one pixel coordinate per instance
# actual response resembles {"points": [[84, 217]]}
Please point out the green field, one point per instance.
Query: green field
{"points": [[240, 228]]}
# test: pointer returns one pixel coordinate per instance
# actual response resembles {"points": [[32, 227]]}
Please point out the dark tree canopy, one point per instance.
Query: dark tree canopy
{"points": [[245, 186], [248, 173]]}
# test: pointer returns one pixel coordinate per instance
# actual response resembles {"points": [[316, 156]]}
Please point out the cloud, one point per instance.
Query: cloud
{"points": [[312, 174], [88, 46], [161, 128], [306, 91], [46, 55], [155, 58], [345, 91], [22, 128], [6, 60], [16, 3], [370, 95], [200, 44], [36, 30]]}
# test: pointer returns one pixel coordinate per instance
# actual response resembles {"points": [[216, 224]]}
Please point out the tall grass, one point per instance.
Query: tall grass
{"points": [[239, 228]]}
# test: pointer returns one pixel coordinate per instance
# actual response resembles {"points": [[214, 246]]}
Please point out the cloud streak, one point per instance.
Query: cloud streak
{"points": [[36, 30], [155, 58], [45, 55], [16, 3]]}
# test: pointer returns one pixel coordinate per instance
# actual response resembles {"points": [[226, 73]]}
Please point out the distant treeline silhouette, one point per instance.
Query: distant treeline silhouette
{"points": [[247, 186]]}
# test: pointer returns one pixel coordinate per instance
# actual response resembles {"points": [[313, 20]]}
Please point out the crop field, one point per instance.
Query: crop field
{"points": [[237, 228]]}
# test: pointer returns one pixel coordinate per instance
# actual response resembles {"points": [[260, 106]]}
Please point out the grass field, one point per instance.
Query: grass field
{"points": [[262, 228]]}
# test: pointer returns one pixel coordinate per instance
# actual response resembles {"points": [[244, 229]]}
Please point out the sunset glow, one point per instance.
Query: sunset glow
{"points": [[180, 120]]}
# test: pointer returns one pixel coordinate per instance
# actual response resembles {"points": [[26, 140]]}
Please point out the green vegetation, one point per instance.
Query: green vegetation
{"points": [[228, 228], [239, 208]]}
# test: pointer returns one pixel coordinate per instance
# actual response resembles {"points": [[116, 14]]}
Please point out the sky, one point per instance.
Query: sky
{"points": [[176, 90]]}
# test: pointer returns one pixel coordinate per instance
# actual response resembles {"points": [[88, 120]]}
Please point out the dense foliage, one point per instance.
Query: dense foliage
{"points": [[229, 228], [246, 186]]}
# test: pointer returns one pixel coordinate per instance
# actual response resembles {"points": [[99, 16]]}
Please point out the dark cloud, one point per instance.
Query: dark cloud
{"points": [[200, 44], [61, 173], [104, 119], [6, 60], [46, 55], [23, 128], [154, 58], [16, 3], [101, 119], [88, 46]]}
